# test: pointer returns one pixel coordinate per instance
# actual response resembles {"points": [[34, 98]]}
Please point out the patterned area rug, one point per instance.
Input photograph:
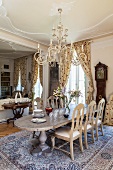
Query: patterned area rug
{"points": [[15, 154]]}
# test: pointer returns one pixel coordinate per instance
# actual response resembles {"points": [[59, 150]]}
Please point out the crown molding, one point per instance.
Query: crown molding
{"points": [[11, 37]]}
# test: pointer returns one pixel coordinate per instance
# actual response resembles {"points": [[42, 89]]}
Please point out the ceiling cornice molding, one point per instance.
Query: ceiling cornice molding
{"points": [[10, 37]]}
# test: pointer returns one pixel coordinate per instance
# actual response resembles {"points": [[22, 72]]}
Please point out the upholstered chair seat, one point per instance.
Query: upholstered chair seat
{"points": [[88, 127], [65, 132], [98, 122]]}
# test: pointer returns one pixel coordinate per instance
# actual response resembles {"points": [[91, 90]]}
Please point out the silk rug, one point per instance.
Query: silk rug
{"points": [[15, 154]]}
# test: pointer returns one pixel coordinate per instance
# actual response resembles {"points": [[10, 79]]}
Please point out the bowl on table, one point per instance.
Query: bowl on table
{"points": [[38, 120], [38, 113]]}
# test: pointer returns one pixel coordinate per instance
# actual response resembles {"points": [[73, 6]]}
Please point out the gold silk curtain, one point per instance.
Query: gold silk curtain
{"points": [[64, 70], [86, 65], [20, 64], [23, 68], [16, 71], [34, 76], [41, 74]]}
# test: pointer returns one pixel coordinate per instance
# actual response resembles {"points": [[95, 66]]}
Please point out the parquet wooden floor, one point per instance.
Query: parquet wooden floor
{"points": [[7, 129]]}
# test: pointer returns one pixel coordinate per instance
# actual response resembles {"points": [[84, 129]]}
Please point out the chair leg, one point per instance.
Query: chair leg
{"points": [[85, 139], [53, 142], [101, 126], [80, 141], [71, 149], [96, 131], [92, 132]]}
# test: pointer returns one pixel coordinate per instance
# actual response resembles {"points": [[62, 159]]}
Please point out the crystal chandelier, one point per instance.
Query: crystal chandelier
{"points": [[57, 51]]}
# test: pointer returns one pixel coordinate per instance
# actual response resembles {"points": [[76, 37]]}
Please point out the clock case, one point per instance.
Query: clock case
{"points": [[101, 80]]}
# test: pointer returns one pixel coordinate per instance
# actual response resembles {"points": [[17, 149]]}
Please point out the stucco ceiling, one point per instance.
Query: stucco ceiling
{"points": [[34, 19]]}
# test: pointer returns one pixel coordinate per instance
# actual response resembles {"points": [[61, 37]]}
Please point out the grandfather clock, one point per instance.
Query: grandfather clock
{"points": [[101, 77]]}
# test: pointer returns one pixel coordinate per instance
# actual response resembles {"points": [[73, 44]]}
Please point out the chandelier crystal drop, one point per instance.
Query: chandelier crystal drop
{"points": [[58, 50]]}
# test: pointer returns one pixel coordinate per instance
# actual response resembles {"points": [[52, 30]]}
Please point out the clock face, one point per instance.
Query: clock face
{"points": [[100, 73]]}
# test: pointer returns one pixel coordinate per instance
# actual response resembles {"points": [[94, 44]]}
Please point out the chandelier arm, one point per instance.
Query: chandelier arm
{"points": [[39, 58]]}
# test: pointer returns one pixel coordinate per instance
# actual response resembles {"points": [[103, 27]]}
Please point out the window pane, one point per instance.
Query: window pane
{"points": [[19, 82], [38, 88], [81, 85], [76, 81]]}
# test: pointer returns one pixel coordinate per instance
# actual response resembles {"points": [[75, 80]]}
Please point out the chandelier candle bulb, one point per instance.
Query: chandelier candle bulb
{"points": [[38, 46], [71, 45], [51, 42], [53, 28]]}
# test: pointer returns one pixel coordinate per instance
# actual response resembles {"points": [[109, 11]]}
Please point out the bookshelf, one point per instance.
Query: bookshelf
{"points": [[5, 83]]}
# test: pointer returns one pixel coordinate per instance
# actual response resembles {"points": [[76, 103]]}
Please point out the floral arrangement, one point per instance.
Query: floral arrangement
{"points": [[59, 92], [72, 95], [75, 93]]}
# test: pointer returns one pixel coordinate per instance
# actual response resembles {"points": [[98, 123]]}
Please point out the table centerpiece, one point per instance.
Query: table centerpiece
{"points": [[72, 95]]}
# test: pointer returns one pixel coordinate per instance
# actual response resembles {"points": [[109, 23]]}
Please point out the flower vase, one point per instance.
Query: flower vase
{"points": [[67, 112]]}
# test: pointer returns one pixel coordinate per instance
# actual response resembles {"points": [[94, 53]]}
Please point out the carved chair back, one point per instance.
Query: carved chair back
{"points": [[53, 102], [91, 112], [100, 109], [39, 102], [78, 115]]}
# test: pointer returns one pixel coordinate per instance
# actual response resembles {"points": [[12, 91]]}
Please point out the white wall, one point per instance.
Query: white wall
{"points": [[102, 51]]}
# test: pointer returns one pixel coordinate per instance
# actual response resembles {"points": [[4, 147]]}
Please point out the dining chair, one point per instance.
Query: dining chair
{"points": [[99, 118], [88, 124], [72, 133], [39, 103], [62, 101], [53, 102]]}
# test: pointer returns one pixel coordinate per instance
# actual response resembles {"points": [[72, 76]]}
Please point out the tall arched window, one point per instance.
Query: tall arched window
{"points": [[19, 87], [38, 88], [77, 81]]}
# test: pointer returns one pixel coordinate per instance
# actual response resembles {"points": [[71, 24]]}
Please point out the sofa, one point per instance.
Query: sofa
{"points": [[8, 113]]}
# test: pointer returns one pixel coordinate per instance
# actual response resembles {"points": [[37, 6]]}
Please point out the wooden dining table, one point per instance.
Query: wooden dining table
{"points": [[51, 123]]}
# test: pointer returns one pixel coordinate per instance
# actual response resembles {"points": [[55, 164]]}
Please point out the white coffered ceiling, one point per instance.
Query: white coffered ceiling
{"points": [[31, 21]]}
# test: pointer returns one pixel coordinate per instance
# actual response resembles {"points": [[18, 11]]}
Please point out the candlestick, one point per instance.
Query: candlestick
{"points": [[51, 42]]}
